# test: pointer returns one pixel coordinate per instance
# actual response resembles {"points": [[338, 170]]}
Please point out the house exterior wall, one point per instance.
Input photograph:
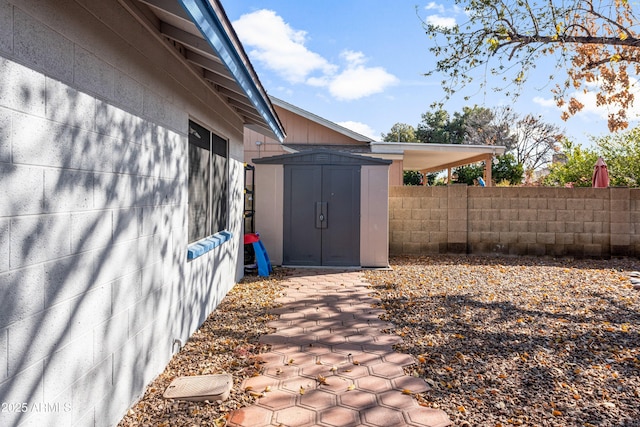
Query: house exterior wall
{"points": [[581, 222], [300, 130], [95, 285]]}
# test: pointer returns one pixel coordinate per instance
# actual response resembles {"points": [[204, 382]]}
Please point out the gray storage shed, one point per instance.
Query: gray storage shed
{"points": [[323, 208]]}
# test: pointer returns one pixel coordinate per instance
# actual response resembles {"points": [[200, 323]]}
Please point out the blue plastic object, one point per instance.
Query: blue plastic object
{"points": [[262, 259]]}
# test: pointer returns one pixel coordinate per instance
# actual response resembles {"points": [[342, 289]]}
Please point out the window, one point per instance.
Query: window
{"points": [[208, 183]]}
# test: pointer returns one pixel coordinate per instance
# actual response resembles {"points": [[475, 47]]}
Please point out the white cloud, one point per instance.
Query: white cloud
{"points": [[358, 81], [441, 21], [435, 6], [280, 48], [361, 128]]}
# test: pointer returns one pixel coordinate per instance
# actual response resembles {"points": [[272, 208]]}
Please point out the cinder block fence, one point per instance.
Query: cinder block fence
{"points": [[580, 222]]}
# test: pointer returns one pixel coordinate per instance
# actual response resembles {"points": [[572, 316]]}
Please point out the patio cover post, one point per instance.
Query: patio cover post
{"points": [[487, 170]]}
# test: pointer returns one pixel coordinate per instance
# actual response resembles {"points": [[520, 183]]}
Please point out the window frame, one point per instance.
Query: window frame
{"points": [[208, 190]]}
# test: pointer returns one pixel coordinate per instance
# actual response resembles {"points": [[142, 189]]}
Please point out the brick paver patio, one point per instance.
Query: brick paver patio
{"points": [[330, 364]]}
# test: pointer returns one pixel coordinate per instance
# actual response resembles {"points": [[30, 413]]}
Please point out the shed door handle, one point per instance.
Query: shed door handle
{"points": [[321, 215]]}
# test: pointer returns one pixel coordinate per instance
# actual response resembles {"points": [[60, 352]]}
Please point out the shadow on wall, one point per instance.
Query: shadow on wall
{"points": [[93, 222]]}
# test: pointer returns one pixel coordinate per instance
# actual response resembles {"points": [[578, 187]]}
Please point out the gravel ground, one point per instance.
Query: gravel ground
{"points": [[519, 341], [501, 341], [227, 342]]}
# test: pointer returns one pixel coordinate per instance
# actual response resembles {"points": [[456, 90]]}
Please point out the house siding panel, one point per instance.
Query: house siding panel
{"points": [[94, 279]]}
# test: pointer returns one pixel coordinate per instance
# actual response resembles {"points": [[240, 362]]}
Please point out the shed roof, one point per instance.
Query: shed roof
{"points": [[320, 156], [200, 33]]}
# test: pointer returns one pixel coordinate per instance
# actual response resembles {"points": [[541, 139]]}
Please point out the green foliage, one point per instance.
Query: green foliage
{"points": [[576, 171], [411, 178], [507, 170], [400, 132], [466, 174], [621, 152]]}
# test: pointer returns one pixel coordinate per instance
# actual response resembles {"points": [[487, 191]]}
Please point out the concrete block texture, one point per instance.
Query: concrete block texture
{"points": [[21, 88], [4, 245], [5, 135], [6, 27], [67, 105], [4, 353], [21, 190], [22, 294], [41, 47], [38, 239]]}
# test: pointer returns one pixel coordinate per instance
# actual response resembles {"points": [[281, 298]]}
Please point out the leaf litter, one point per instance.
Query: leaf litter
{"points": [[227, 342], [519, 341], [501, 341]]}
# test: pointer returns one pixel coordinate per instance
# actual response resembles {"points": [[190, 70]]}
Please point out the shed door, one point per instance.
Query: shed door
{"points": [[321, 215]]}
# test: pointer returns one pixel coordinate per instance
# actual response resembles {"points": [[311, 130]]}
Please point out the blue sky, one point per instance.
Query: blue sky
{"points": [[361, 63]]}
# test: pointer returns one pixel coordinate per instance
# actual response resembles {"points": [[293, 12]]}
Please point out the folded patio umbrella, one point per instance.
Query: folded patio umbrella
{"points": [[600, 175]]}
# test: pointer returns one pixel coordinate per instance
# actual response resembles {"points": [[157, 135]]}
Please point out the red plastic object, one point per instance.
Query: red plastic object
{"points": [[251, 238]]}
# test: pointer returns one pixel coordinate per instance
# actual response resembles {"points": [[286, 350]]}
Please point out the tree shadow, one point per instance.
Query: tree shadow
{"points": [[501, 340], [96, 285]]}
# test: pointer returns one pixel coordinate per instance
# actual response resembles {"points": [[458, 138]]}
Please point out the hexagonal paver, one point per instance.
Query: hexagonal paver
{"points": [[318, 400], [318, 348], [274, 339], [271, 358], [395, 399], [377, 348], [401, 359], [334, 359], [387, 339], [387, 370], [358, 399], [332, 339], [259, 383], [414, 384], [339, 417], [352, 371], [428, 417], [374, 384], [277, 400], [295, 417], [348, 348], [251, 416], [361, 339], [335, 384], [282, 372], [293, 385], [383, 417], [312, 371], [366, 359]]}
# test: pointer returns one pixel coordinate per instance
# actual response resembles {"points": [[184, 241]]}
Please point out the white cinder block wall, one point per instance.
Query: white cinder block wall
{"points": [[94, 281]]}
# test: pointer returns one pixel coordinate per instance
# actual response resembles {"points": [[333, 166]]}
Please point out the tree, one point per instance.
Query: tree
{"points": [[400, 132], [592, 41], [411, 178], [534, 141], [471, 126], [467, 173], [576, 169], [507, 169], [622, 155]]}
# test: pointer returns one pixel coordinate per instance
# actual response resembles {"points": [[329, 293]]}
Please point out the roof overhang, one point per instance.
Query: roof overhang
{"points": [[434, 157], [200, 34], [319, 120]]}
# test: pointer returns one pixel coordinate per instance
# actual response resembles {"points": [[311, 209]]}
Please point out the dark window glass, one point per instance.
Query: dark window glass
{"points": [[208, 183]]}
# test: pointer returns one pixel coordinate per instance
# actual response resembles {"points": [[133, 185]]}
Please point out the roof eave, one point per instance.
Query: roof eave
{"points": [[208, 16]]}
